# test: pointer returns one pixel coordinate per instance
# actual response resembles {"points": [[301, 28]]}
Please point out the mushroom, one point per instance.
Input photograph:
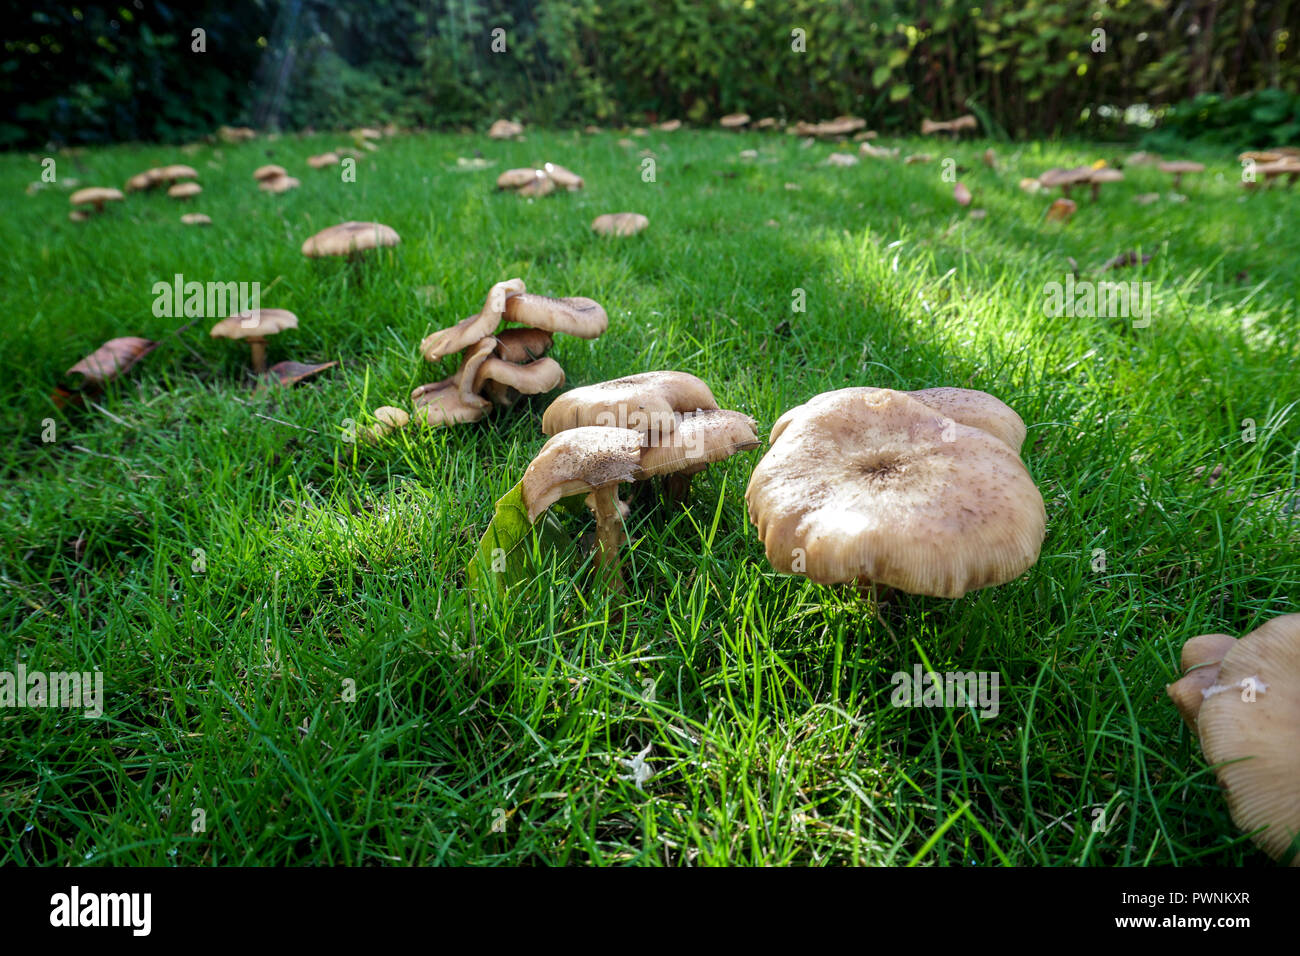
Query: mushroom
{"points": [[1243, 699], [576, 315], [515, 178], [669, 126], [734, 120], [871, 485], [264, 173], [323, 160], [841, 159], [196, 219], [917, 158], [592, 461], [1287, 166], [184, 190], [564, 178], [442, 404], [767, 122], [468, 331], [966, 406], [1061, 210], [387, 420], [540, 185], [878, 152], [505, 129], [1178, 167], [1103, 175], [255, 328], [95, 196], [523, 345], [350, 238], [534, 378], [649, 403], [954, 126], [698, 440], [1066, 178], [619, 223], [278, 184]]}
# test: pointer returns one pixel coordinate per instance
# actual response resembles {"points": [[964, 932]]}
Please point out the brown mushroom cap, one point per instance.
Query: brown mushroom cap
{"points": [[515, 178], [580, 461], [523, 344], [196, 219], [470, 330], [504, 129], [269, 172], [734, 120], [1251, 739], [1066, 177], [649, 403], [619, 223], [184, 190], [1181, 166], [1200, 663], [142, 181], [95, 196], [564, 178], [978, 410], [872, 485], [699, 439], [388, 419], [323, 160], [1106, 174], [349, 237], [576, 315], [443, 405], [535, 378], [540, 185], [249, 325], [112, 359], [279, 184], [669, 126]]}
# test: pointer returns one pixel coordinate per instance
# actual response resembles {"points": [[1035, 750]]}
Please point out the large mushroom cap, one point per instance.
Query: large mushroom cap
{"points": [[580, 461], [184, 190], [648, 403], [349, 237], [978, 410], [255, 325], [1249, 724], [564, 178], [577, 315], [444, 405], [95, 196], [699, 439], [515, 178], [871, 484], [619, 223]]}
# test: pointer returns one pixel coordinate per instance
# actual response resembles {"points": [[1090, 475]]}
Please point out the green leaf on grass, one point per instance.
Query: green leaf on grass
{"points": [[505, 552]]}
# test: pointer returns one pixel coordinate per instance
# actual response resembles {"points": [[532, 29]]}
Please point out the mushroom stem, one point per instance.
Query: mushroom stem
{"points": [[1178, 180], [677, 487], [1096, 191], [609, 533], [259, 355]]}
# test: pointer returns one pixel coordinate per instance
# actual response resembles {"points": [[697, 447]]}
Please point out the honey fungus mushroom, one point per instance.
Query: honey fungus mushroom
{"points": [[95, 197], [619, 224], [1242, 697], [350, 239], [871, 485], [255, 328]]}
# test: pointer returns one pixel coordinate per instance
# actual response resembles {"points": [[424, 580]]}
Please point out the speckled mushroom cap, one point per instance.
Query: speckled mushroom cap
{"points": [[647, 402], [246, 325], [196, 219], [577, 315], [870, 484], [619, 223], [968, 406], [1254, 744], [699, 439], [470, 330], [580, 461], [349, 237]]}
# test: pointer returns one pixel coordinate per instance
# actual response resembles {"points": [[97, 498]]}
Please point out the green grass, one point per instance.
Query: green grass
{"points": [[772, 735]]}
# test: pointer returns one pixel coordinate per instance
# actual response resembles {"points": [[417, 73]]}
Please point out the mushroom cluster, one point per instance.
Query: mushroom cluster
{"points": [[920, 491], [498, 367], [274, 179], [541, 181], [953, 126], [656, 424], [1242, 698], [1066, 179], [160, 176]]}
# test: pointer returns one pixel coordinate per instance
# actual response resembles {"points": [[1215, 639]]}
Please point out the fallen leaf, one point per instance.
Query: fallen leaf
{"points": [[1061, 210], [291, 373], [111, 359], [961, 194]]}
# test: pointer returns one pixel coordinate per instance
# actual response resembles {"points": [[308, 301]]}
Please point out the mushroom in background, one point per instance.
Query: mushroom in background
{"points": [[323, 160], [539, 181], [505, 129], [196, 219], [350, 239], [619, 224], [1180, 167], [1103, 175], [841, 159], [1061, 210], [255, 328], [953, 126], [669, 126], [93, 196], [184, 190], [279, 184], [873, 486], [1242, 697], [1066, 178], [387, 420], [734, 120]]}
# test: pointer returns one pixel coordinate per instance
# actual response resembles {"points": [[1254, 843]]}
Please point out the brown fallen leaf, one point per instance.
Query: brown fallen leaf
{"points": [[1061, 210], [991, 159], [291, 373], [110, 360], [961, 194], [1130, 258]]}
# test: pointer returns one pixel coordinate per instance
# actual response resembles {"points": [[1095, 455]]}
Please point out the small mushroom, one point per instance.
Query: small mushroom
{"points": [[669, 126], [734, 120], [1104, 175], [841, 159], [515, 178], [278, 184], [540, 185], [95, 196], [196, 219], [1180, 167], [564, 178], [649, 403], [698, 440], [387, 420], [442, 405], [953, 126], [1066, 178], [255, 328], [873, 486], [264, 173], [619, 223], [184, 190], [767, 122], [470, 330], [349, 239], [576, 315], [1243, 699], [505, 129], [323, 160], [591, 461]]}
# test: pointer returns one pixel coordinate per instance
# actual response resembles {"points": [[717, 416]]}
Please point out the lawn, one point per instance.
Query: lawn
{"points": [[491, 729]]}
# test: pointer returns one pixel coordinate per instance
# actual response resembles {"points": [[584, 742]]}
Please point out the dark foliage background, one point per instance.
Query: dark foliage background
{"points": [[92, 72]]}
